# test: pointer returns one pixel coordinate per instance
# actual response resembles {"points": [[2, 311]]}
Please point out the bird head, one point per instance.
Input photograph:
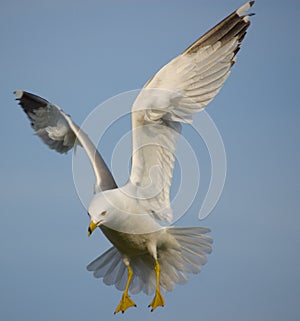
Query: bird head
{"points": [[98, 212], [94, 223]]}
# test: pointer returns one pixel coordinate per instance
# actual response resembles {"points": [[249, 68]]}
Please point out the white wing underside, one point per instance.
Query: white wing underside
{"points": [[181, 88], [60, 133]]}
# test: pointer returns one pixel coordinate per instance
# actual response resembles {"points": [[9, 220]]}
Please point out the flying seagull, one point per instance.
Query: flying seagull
{"points": [[154, 256]]}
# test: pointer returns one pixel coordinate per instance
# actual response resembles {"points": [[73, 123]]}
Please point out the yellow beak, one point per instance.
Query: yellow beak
{"points": [[92, 227]]}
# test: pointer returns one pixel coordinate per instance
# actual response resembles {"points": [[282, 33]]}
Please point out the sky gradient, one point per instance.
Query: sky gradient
{"points": [[78, 54]]}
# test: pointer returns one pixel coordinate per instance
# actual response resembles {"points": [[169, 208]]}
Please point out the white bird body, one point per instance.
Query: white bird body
{"points": [[155, 256], [139, 238]]}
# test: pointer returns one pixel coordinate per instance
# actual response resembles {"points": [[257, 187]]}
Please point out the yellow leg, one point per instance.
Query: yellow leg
{"points": [[158, 299], [126, 302]]}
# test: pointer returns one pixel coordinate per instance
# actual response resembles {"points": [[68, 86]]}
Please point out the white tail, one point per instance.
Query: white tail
{"points": [[187, 257]]}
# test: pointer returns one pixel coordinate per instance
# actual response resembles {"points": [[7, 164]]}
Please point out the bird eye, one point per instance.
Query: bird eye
{"points": [[103, 213]]}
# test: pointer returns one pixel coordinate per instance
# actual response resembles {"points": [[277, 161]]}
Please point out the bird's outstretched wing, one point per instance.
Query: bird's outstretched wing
{"points": [[181, 88], [59, 132]]}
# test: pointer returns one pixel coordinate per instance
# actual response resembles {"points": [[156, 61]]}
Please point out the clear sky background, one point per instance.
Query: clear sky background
{"points": [[80, 53]]}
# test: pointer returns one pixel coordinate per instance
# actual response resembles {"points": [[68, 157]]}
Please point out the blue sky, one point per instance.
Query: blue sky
{"points": [[80, 53]]}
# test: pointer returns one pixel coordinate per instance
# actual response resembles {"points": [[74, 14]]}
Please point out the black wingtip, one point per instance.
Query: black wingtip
{"points": [[30, 102]]}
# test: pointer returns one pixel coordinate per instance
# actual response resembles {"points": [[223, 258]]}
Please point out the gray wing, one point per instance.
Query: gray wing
{"points": [[60, 133]]}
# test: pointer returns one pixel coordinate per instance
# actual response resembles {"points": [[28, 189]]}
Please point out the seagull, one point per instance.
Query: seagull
{"points": [[147, 255]]}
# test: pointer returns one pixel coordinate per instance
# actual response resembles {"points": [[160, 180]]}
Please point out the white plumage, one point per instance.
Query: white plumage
{"points": [[190, 254], [153, 256]]}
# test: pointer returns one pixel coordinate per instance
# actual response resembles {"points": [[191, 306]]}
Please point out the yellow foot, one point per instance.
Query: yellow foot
{"points": [[125, 303], [158, 301]]}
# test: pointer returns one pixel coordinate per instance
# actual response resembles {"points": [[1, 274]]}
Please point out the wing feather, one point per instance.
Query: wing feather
{"points": [[181, 88], [59, 132]]}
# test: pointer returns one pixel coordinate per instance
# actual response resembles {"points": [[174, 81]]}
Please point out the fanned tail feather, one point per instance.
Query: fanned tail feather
{"points": [[187, 257]]}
